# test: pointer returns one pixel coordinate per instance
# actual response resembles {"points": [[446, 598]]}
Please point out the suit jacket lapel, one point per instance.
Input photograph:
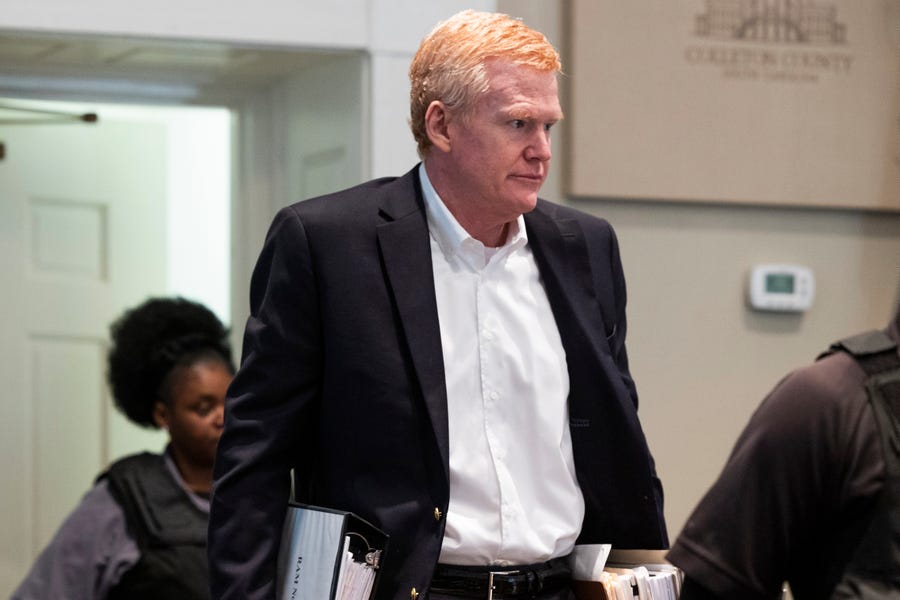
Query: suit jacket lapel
{"points": [[405, 248], [561, 254]]}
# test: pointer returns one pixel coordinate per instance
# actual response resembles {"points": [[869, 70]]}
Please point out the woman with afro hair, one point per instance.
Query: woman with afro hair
{"points": [[140, 531]]}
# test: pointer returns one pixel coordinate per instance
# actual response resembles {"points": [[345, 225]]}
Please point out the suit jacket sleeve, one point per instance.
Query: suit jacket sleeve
{"points": [[609, 281], [579, 259], [268, 415]]}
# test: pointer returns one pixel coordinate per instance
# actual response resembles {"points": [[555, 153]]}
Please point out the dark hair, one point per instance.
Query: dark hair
{"points": [[149, 341]]}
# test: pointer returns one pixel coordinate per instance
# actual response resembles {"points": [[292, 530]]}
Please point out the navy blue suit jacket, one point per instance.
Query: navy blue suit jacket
{"points": [[342, 380]]}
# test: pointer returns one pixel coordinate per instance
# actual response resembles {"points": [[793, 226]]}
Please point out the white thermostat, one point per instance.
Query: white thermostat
{"points": [[786, 288]]}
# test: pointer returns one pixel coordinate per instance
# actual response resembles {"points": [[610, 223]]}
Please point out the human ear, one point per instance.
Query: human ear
{"points": [[161, 415], [436, 125]]}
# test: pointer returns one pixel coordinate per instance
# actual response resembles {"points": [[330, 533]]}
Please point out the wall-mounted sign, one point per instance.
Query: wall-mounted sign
{"points": [[782, 102]]}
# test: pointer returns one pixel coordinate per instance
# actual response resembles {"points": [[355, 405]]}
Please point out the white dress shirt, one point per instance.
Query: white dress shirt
{"points": [[514, 497]]}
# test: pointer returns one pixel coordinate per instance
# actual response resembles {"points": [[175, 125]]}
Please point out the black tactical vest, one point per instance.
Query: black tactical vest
{"points": [[169, 529], [874, 571]]}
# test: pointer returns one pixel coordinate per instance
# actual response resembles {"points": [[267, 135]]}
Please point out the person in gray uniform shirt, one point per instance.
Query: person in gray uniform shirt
{"points": [[140, 531]]}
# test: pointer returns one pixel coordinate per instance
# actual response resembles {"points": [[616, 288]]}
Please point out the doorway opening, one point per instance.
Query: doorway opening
{"points": [[269, 110], [198, 187]]}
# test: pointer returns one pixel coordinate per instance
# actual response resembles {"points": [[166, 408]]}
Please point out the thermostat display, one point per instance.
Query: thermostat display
{"points": [[781, 288]]}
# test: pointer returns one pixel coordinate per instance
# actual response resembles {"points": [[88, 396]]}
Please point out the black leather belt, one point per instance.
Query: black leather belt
{"points": [[493, 582]]}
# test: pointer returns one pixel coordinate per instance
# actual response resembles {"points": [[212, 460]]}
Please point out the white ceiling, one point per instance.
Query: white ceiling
{"points": [[69, 65]]}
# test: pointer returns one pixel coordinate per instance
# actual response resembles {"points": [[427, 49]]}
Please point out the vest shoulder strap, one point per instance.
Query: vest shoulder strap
{"points": [[872, 572], [874, 350]]}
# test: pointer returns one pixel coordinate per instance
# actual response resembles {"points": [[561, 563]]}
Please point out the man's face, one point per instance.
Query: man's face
{"points": [[500, 151]]}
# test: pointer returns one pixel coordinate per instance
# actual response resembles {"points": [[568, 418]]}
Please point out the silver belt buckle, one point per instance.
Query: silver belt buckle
{"points": [[491, 574]]}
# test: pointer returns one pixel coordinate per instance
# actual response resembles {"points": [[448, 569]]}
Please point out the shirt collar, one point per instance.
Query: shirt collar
{"points": [[197, 500], [450, 235]]}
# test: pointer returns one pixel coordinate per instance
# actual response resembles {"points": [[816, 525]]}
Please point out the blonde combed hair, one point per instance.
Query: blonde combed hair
{"points": [[449, 65]]}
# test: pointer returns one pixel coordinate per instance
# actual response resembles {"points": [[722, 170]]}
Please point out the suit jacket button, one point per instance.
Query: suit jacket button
{"points": [[437, 514], [413, 594]]}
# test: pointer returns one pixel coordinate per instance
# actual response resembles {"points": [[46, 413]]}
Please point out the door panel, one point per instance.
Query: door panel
{"points": [[82, 235], [67, 406]]}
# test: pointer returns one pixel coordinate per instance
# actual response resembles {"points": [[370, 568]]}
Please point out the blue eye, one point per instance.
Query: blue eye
{"points": [[517, 123]]}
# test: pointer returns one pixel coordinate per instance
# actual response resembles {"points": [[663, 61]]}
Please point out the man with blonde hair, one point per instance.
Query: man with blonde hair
{"points": [[443, 353]]}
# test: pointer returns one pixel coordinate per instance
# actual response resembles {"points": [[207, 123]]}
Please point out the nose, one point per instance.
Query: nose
{"points": [[539, 148], [219, 416]]}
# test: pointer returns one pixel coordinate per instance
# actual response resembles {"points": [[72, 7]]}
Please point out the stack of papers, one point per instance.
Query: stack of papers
{"points": [[601, 573], [327, 554], [355, 579]]}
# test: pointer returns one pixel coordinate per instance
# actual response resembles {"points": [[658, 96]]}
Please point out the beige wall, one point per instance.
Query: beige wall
{"points": [[703, 360]]}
